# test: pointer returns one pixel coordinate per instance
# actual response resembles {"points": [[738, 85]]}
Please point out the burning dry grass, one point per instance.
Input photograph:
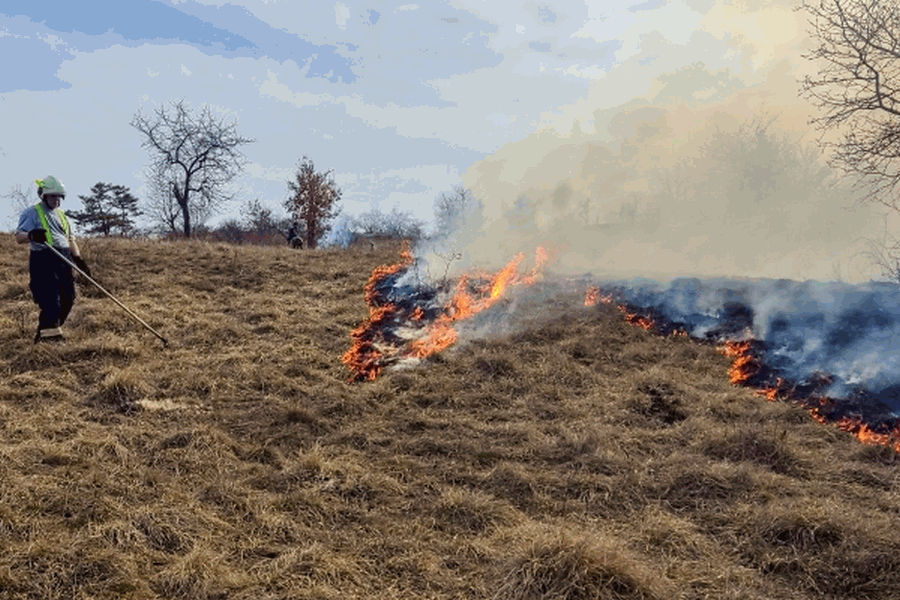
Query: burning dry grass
{"points": [[575, 457]]}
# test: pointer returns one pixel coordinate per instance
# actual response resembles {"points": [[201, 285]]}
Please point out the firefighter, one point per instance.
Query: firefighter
{"points": [[52, 284], [293, 236]]}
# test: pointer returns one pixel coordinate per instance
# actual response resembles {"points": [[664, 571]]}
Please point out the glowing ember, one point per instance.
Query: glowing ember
{"points": [[592, 296]]}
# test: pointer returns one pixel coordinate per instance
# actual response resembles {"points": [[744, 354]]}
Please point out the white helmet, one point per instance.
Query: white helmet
{"points": [[50, 185]]}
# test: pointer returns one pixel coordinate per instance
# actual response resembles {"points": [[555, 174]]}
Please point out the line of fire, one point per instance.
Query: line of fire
{"points": [[870, 418], [410, 319]]}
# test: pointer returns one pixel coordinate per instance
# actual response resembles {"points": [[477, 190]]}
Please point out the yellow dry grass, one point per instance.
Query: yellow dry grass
{"points": [[575, 457]]}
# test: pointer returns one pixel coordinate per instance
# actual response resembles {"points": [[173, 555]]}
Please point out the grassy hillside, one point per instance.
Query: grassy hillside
{"points": [[577, 458]]}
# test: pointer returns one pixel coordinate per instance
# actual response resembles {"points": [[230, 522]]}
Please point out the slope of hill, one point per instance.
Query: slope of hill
{"points": [[575, 458]]}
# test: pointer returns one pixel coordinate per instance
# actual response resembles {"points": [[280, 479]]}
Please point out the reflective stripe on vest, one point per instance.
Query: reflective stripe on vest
{"points": [[39, 207]]}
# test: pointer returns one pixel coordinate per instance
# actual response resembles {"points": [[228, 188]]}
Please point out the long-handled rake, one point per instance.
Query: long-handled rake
{"points": [[111, 297]]}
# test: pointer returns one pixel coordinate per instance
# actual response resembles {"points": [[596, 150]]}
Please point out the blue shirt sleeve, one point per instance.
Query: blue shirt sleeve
{"points": [[28, 220]]}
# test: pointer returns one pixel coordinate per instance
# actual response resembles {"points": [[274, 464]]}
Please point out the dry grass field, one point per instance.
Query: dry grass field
{"points": [[577, 457]]}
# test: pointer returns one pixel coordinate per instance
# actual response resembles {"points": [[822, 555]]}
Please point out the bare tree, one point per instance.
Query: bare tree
{"points": [[193, 158], [453, 210], [19, 200], [397, 224], [857, 89], [313, 200], [261, 220], [262, 225], [165, 213], [884, 253]]}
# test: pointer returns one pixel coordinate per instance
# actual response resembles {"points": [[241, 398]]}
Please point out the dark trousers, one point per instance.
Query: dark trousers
{"points": [[52, 286]]}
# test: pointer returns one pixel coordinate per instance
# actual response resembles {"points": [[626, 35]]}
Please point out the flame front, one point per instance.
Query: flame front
{"points": [[371, 350], [745, 365], [749, 369], [440, 334], [364, 356]]}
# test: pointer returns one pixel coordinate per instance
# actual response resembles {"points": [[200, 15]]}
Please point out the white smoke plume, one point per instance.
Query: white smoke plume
{"points": [[712, 171], [709, 171]]}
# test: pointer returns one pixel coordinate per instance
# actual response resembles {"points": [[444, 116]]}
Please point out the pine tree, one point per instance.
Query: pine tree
{"points": [[125, 207], [109, 209]]}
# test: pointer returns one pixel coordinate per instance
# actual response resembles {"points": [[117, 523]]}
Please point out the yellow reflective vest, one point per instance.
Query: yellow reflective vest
{"points": [[42, 215]]}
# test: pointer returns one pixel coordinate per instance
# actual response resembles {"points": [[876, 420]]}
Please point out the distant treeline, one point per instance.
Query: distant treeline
{"points": [[112, 210]]}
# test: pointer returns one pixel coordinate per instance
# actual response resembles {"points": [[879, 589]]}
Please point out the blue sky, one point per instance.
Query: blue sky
{"points": [[400, 99]]}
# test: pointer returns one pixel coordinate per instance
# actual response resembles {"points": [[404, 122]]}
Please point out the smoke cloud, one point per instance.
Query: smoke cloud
{"points": [[710, 173], [708, 180]]}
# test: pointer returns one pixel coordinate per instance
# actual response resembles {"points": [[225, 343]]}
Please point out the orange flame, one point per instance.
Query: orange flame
{"points": [[366, 359], [440, 334], [540, 258], [733, 349], [636, 319], [745, 365], [867, 436], [363, 356], [593, 296]]}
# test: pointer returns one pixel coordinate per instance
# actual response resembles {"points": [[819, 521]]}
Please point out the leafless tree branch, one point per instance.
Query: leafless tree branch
{"points": [[193, 158], [857, 90]]}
